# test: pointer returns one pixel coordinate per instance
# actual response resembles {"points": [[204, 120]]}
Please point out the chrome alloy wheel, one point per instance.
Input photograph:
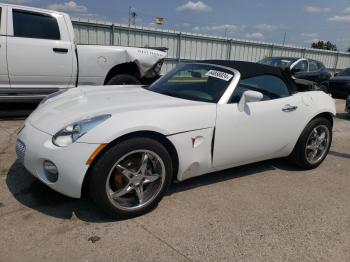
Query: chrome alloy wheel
{"points": [[135, 179], [317, 144]]}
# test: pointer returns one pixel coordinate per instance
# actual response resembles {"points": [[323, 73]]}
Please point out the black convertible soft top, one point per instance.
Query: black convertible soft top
{"points": [[249, 69]]}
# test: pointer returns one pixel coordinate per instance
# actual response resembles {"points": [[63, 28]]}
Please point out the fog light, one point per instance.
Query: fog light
{"points": [[51, 171]]}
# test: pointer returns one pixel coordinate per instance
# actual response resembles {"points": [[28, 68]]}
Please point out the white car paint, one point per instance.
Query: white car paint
{"points": [[261, 131], [32, 63]]}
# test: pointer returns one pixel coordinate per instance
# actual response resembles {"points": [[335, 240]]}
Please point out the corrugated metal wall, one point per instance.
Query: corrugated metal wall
{"points": [[187, 46]]}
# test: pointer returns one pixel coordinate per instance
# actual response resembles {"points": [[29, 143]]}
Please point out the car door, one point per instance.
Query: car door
{"points": [[4, 79], [40, 53], [314, 73], [324, 74], [300, 69], [262, 130]]}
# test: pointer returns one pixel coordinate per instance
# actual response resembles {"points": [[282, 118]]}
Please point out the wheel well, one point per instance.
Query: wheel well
{"points": [[327, 115], [125, 68], [149, 134]]}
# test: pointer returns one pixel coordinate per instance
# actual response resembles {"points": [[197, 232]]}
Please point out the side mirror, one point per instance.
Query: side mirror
{"points": [[335, 74], [249, 96]]}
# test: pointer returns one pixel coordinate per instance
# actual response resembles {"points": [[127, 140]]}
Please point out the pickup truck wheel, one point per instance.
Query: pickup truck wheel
{"points": [[123, 80], [131, 177]]}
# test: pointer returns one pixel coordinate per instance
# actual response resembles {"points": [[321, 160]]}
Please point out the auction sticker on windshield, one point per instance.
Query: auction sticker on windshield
{"points": [[220, 75]]}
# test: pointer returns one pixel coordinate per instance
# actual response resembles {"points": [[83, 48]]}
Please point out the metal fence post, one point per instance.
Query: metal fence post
{"points": [[303, 53], [336, 63], [129, 36], [178, 52], [272, 49], [229, 49], [112, 35]]}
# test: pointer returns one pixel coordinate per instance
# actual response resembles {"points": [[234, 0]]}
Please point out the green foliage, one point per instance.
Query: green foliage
{"points": [[324, 45]]}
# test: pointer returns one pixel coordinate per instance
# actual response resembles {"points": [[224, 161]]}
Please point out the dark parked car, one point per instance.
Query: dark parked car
{"points": [[301, 68], [339, 85], [347, 107]]}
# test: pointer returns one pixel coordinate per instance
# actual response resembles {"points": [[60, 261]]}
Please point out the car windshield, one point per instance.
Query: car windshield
{"points": [[198, 82], [345, 72], [278, 61]]}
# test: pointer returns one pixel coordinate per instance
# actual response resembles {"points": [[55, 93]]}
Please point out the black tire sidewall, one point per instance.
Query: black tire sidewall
{"points": [[298, 154], [123, 79], [100, 170]]}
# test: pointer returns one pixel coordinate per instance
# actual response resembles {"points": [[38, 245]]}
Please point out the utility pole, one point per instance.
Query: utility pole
{"points": [[129, 25], [129, 16], [284, 38]]}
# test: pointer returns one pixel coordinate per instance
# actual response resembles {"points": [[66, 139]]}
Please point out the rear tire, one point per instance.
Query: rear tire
{"points": [[131, 177], [123, 79], [315, 140]]}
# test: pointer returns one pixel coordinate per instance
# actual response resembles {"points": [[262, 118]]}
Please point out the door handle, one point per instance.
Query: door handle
{"points": [[289, 108], [60, 50]]}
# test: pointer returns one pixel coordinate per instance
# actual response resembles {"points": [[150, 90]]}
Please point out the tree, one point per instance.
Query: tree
{"points": [[324, 45], [348, 50]]}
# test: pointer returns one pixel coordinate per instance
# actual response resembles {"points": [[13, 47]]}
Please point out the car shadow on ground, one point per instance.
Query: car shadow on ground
{"points": [[339, 154], [16, 111], [32, 193]]}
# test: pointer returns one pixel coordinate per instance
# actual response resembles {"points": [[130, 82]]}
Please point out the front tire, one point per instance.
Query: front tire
{"points": [[313, 145], [123, 79], [131, 177]]}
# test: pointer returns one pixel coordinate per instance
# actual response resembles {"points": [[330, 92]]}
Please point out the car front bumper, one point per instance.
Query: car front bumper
{"points": [[33, 147]]}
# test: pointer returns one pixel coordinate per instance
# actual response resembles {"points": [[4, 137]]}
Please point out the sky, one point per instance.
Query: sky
{"points": [[303, 21]]}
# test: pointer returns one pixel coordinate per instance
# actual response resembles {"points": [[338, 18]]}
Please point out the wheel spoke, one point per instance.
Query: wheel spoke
{"points": [[322, 137], [144, 163], [151, 178], [322, 147], [139, 193], [311, 147], [313, 154], [126, 172], [121, 192]]}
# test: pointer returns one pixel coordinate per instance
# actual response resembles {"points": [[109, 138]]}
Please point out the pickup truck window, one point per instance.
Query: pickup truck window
{"points": [[35, 25]]}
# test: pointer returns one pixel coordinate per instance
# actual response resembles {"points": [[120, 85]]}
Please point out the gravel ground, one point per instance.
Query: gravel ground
{"points": [[269, 211]]}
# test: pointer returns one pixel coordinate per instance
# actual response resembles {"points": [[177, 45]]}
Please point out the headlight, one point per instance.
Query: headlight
{"points": [[52, 96], [73, 132]]}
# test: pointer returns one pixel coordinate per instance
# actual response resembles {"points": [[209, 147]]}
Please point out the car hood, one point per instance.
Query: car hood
{"points": [[133, 102]]}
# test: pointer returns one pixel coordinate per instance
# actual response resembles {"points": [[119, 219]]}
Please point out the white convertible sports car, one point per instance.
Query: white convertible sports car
{"points": [[126, 144]]}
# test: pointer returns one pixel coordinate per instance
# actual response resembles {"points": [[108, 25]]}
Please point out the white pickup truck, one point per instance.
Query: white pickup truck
{"points": [[38, 55]]}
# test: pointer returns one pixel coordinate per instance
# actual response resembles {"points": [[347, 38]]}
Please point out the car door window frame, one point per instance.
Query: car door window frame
{"points": [[303, 61], [35, 14], [231, 101]]}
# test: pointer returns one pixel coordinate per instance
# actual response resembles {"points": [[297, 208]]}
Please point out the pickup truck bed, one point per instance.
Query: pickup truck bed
{"points": [[38, 56]]}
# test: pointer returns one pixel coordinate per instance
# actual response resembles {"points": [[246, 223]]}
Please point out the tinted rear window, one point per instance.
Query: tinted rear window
{"points": [[35, 25]]}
